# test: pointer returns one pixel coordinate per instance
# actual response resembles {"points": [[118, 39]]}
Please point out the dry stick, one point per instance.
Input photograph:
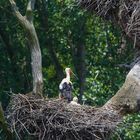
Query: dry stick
{"points": [[74, 119], [134, 45], [27, 102]]}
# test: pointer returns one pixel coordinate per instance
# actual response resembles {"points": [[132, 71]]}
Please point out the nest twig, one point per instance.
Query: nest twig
{"points": [[130, 16], [101, 7], [55, 119], [123, 12]]}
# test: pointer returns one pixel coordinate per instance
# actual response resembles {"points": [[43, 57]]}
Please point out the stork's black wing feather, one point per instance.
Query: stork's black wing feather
{"points": [[66, 91]]}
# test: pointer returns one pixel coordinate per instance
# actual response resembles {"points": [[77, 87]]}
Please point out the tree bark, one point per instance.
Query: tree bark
{"points": [[127, 99], [80, 69], [78, 56], [124, 13], [36, 60]]}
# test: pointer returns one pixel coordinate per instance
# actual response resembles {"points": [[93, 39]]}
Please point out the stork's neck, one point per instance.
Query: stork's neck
{"points": [[68, 76]]}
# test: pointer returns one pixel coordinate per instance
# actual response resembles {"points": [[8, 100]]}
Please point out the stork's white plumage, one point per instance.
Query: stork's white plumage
{"points": [[65, 86], [75, 101]]}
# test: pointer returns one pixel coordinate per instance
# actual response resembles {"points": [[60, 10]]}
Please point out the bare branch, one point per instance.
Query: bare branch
{"points": [[27, 24], [127, 66], [16, 12], [29, 10]]}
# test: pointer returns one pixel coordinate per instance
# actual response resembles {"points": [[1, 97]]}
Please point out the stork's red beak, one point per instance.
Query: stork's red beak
{"points": [[72, 73]]}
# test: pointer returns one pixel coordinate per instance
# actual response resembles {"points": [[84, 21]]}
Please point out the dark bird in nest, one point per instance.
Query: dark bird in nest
{"points": [[65, 86]]}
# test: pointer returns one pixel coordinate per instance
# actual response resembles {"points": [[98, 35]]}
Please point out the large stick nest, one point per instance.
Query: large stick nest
{"points": [[126, 13], [55, 119]]}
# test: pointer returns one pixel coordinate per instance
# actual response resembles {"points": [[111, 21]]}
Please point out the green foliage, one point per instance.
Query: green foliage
{"points": [[129, 129], [62, 25]]}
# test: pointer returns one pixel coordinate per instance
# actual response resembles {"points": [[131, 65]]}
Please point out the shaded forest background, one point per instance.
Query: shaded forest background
{"points": [[69, 36]]}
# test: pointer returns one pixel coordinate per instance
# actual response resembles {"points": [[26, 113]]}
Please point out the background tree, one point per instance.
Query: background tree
{"points": [[36, 58], [61, 33]]}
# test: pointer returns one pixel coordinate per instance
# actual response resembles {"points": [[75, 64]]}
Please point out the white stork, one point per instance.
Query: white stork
{"points": [[65, 86]]}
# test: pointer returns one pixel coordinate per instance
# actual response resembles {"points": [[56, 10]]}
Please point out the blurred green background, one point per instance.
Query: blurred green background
{"points": [[71, 37]]}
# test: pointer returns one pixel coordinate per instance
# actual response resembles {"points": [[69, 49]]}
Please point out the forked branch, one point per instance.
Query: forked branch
{"points": [[16, 12], [36, 60], [29, 10]]}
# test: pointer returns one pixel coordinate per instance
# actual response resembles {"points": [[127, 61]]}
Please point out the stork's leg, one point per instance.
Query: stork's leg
{"points": [[59, 96]]}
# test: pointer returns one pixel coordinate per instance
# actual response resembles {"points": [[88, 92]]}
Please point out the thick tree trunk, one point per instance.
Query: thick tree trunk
{"points": [[127, 99], [90, 123], [126, 14], [78, 57], [36, 60], [81, 70]]}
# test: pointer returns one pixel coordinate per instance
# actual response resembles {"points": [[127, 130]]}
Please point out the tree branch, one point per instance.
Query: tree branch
{"points": [[16, 12], [29, 10], [36, 59], [127, 99]]}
